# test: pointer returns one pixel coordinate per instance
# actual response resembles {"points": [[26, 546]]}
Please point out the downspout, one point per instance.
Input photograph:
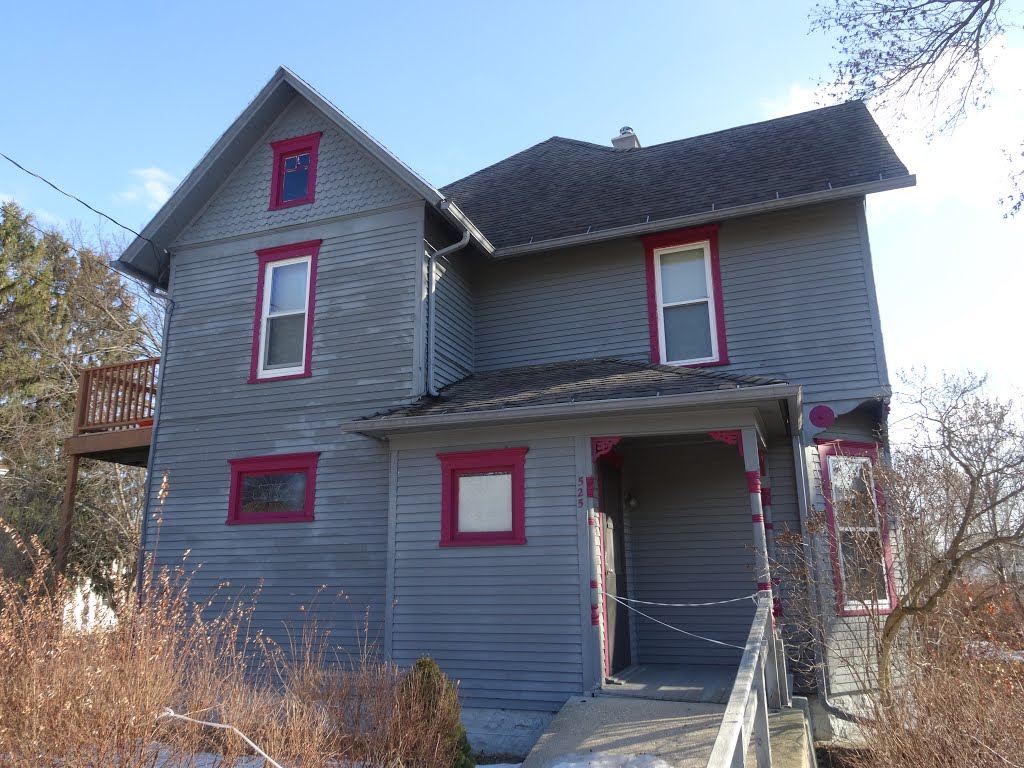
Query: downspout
{"points": [[144, 524], [431, 389], [821, 671]]}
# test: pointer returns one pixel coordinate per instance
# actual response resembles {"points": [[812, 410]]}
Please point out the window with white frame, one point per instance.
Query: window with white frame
{"points": [[284, 312], [860, 545], [689, 329]]}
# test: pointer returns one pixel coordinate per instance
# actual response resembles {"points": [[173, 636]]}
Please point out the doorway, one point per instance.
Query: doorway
{"points": [[614, 557]]}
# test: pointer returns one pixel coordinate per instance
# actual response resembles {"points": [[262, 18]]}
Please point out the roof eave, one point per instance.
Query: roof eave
{"points": [[704, 217], [381, 427]]}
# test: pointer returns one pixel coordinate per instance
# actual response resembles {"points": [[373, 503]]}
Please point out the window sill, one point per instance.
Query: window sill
{"points": [[291, 204], [301, 518], [702, 364], [484, 540], [881, 610], [265, 379]]}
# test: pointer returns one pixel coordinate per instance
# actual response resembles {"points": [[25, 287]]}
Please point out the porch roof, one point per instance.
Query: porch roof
{"points": [[573, 386]]}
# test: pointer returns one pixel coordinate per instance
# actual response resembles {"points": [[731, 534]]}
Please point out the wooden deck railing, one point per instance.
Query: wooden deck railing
{"points": [[758, 686], [114, 397]]}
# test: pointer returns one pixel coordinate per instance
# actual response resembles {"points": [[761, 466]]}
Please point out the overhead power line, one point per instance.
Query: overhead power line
{"points": [[157, 249]]}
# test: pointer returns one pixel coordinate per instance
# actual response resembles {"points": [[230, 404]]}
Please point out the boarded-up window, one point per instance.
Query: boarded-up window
{"points": [[483, 497]]}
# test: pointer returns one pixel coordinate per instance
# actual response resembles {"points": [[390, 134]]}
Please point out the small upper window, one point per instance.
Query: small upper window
{"points": [[293, 181], [272, 489], [685, 298], [282, 344], [483, 497], [861, 554]]}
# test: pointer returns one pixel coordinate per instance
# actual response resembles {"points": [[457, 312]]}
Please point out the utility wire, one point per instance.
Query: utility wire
{"points": [[103, 262], [168, 712], [156, 248]]}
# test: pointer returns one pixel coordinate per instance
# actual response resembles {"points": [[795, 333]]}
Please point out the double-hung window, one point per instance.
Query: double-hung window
{"points": [[282, 336], [293, 181], [861, 554], [483, 497], [685, 298]]}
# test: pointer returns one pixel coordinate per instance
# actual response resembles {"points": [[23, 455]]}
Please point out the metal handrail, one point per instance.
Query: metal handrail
{"points": [[756, 688], [120, 396]]}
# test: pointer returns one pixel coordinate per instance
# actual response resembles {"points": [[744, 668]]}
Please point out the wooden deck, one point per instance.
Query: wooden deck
{"points": [[113, 422]]}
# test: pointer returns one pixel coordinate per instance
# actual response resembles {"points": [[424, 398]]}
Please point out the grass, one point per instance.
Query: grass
{"points": [[95, 698]]}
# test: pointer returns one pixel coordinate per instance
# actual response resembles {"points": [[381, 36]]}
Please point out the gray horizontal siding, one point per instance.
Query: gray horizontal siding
{"points": [[455, 315], [363, 338], [504, 621], [565, 306], [348, 181], [796, 291], [690, 537]]}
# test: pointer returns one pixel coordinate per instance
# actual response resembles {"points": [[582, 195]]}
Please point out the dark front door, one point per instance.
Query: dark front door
{"points": [[614, 567]]}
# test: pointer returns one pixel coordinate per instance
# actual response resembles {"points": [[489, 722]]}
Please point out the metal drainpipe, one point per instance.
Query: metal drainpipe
{"points": [[431, 389], [148, 500], [804, 505]]}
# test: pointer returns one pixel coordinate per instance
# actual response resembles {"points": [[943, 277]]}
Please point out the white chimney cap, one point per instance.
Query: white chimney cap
{"points": [[626, 139]]}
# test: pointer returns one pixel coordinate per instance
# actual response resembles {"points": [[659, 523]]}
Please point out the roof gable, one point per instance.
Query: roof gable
{"points": [[148, 258], [348, 181], [563, 188]]}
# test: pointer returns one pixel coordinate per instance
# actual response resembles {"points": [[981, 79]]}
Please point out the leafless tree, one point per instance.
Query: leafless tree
{"points": [[931, 52]]}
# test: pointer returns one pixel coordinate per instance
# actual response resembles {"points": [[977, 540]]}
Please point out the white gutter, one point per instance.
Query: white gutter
{"points": [[692, 219], [431, 321], [620, 406]]}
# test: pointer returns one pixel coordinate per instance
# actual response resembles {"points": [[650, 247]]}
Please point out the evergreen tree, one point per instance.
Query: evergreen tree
{"points": [[62, 308]]}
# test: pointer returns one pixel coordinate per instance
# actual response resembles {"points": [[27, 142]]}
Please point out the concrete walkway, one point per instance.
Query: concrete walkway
{"points": [[679, 734]]}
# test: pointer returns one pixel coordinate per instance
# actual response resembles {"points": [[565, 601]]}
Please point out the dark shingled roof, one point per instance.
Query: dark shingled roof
{"points": [[571, 382], [562, 187]]}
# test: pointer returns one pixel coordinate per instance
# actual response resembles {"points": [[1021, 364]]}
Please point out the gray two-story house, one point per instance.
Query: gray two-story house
{"points": [[526, 421]]}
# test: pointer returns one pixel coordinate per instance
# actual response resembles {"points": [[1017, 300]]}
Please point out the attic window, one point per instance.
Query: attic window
{"points": [[684, 294], [294, 178]]}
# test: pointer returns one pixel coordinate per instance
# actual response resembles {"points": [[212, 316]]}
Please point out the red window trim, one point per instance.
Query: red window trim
{"points": [[828, 448], [455, 465], [287, 462], [286, 148], [681, 237], [266, 256]]}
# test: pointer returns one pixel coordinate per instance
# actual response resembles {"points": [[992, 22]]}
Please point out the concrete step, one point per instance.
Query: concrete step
{"points": [[792, 746]]}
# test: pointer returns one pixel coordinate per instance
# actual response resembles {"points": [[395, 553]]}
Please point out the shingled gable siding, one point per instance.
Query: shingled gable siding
{"points": [[363, 338], [504, 621], [798, 303], [348, 181]]}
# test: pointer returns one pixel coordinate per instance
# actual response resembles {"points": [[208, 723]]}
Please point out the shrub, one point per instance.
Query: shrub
{"points": [[99, 697]]}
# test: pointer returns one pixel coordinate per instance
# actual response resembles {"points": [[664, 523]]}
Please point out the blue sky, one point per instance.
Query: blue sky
{"points": [[117, 102]]}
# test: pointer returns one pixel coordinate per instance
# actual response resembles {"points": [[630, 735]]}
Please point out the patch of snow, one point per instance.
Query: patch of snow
{"points": [[610, 760]]}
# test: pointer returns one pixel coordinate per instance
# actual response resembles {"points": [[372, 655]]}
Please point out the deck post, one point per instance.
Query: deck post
{"points": [[66, 515]]}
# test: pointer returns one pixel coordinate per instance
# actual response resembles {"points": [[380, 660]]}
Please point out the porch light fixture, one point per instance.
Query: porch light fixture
{"points": [[631, 501]]}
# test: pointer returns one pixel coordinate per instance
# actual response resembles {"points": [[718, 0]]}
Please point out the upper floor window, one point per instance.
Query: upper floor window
{"points": [[272, 489], [483, 497], [294, 178], [282, 335], [684, 293], [861, 553]]}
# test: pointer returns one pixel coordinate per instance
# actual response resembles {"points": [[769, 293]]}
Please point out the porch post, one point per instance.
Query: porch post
{"points": [[597, 597], [752, 465], [753, 470]]}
